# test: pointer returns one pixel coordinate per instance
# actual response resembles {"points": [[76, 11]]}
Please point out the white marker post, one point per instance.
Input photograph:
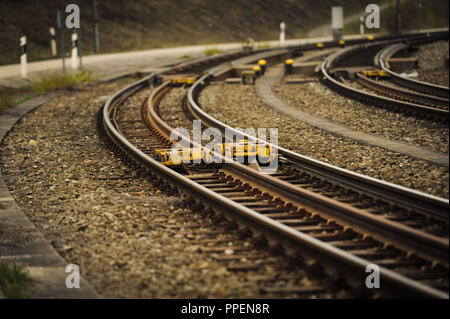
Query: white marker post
{"points": [[23, 56], [75, 61], [282, 33], [337, 22], [53, 41]]}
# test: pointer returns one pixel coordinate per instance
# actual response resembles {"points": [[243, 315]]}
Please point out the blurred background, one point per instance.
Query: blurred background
{"points": [[144, 24]]}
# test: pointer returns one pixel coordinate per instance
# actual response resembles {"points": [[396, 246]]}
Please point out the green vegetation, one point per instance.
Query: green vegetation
{"points": [[212, 51], [54, 81], [7, 99], [185, 56], [60, 80], [15, 282], [127, 80], [24, 98]]}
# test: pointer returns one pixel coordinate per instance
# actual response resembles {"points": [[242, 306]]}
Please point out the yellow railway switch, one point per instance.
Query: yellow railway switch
{"points": [[188, 81], [375, 73], [248, 77], [288, 66], [262, 63], [263, 153]]}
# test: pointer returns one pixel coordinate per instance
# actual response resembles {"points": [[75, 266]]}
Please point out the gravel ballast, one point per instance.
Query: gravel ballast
{"points": [[100, 213], [239, 106], [432, 66]]}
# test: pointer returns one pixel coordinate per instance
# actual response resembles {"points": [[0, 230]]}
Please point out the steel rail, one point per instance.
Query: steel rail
{"points": [[397, 37], [295, 239], [428, 112], [267, 225], [428, 204], [412, 96], [409, 237]]}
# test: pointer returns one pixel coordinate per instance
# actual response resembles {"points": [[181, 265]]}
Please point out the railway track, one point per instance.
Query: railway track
{"points": [[394, 92], [245, 254], [298, 217], [425, 88]]}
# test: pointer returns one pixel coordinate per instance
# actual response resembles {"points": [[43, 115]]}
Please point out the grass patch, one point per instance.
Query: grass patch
{"points": [[265, 46], [60, 80], [212, 51], [24, 98], [7, 99], [54, 81], [15, 282], [185, 56]]}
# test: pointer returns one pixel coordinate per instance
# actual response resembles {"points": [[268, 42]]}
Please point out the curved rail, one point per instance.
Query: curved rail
{"points": [[429, 204], [397, 92], [412, 84], [314, 246], [382, 101]]}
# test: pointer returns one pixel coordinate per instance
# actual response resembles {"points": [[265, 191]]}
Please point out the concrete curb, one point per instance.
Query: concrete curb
{"points": [[21, 243]]}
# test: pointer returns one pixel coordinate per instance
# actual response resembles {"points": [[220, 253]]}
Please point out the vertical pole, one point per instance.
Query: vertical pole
{"points": [[75, 50], [399, 17], [282, 33], [418, 7], [61, 32], [80, 45], [53, 41], [96, 34], [361, 25], [23, 56]]}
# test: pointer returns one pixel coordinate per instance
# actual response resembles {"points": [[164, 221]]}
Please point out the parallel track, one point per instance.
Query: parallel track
{"points": [[425, 88], [249, 197]]}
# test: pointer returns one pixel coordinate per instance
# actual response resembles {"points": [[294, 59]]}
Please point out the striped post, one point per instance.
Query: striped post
{"points": [[23, 56], [282, 33], [53, 41]]}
